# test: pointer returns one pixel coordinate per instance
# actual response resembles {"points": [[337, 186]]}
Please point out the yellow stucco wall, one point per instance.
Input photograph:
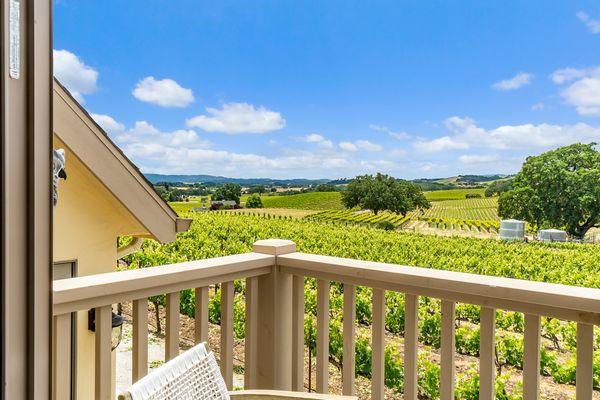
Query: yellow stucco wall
{"points": [[87, 221]]}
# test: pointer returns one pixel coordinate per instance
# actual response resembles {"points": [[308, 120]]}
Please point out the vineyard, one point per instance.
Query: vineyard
{"points": [[484, 209], [452, 194], [491, 226], [303, 201], [358, 217], [219, 234]]}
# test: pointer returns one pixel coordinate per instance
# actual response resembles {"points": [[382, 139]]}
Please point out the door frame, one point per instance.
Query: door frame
{"points": [[26, 203]]}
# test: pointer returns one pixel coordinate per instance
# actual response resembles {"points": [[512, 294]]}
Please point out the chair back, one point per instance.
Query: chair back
{"points": [[193, 375]]}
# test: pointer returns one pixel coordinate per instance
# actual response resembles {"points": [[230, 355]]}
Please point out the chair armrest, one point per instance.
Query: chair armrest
{"points": [[283, 395]]}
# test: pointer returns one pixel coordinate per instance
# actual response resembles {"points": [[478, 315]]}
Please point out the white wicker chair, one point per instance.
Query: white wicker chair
{"points": [[195, 375]]}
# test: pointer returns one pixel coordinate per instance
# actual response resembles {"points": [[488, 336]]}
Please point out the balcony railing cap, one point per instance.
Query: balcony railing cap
{"points": [[274, 247]]}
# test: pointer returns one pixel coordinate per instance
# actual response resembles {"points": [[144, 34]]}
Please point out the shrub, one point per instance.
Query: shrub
{"points": [[254, 201], [386, 225], [472, 196]]}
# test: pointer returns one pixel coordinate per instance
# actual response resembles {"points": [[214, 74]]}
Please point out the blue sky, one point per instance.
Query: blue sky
{"points": [[334, 88]]}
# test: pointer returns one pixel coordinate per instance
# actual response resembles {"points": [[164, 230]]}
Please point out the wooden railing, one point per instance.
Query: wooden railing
{"points": [[274, 340]]}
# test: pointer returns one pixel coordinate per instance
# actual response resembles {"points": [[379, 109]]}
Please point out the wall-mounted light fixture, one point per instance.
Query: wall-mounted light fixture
{"points": [[117, 327]]}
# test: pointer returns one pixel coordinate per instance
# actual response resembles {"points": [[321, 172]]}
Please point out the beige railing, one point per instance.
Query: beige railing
{"points": [[274, 342]]}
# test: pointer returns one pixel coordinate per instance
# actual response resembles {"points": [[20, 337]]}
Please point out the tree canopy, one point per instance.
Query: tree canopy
{"points": [[496, 188], [254, 201], [559, 188], [383, 192], [229, 191]]}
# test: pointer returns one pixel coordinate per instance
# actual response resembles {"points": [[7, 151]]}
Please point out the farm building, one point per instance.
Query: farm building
{"points": [[228, 203], [104, 196]]}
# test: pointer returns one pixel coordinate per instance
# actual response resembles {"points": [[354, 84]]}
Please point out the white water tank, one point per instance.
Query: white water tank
{"points": [[512, 229], [552, 235]]}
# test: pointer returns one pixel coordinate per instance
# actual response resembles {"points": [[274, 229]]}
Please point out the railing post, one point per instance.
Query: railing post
{"points": [[298, 334], [411, 346], [103, 370], [250, 368], [531, 357], [349, 331], [274, 350], [61, 357], [140, 340], [226, 353]]}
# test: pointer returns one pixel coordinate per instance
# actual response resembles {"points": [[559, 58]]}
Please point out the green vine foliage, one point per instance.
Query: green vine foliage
{"points": [[220, 234]]}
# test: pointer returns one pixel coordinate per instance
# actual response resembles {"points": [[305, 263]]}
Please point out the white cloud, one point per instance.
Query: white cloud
{"points": [[467, 134], [583, 91], [326, 144], [427, 167], [568, 74], [478, 159], [538, 106], [144, 139], [74, 74], [314, 138], [109, 124], [184, 151], [439, 144], [319, 140], [163, 92], [235, 118], [368, 146], [516, 82], [385, 129], [593, 25], [348, 146]]}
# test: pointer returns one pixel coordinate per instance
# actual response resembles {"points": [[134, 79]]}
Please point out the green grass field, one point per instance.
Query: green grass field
{"points": [[303, 201], [454, 194], [448, 204], [182, 207]]}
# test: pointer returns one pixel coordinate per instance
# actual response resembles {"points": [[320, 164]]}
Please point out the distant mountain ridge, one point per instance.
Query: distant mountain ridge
{"points": [[155, 178], [439, 183]]}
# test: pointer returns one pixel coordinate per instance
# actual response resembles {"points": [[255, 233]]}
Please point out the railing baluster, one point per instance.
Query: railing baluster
{"points": [[447, 351], [251, 339], [322, 336], [226, 356], [531, 358], [378, 345], [411, 346], [487, 356], [585, 361], [103, 372], [140, 340], [349, 344], [201, 315], [172, 326], [61, 360], [298, 334]]}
